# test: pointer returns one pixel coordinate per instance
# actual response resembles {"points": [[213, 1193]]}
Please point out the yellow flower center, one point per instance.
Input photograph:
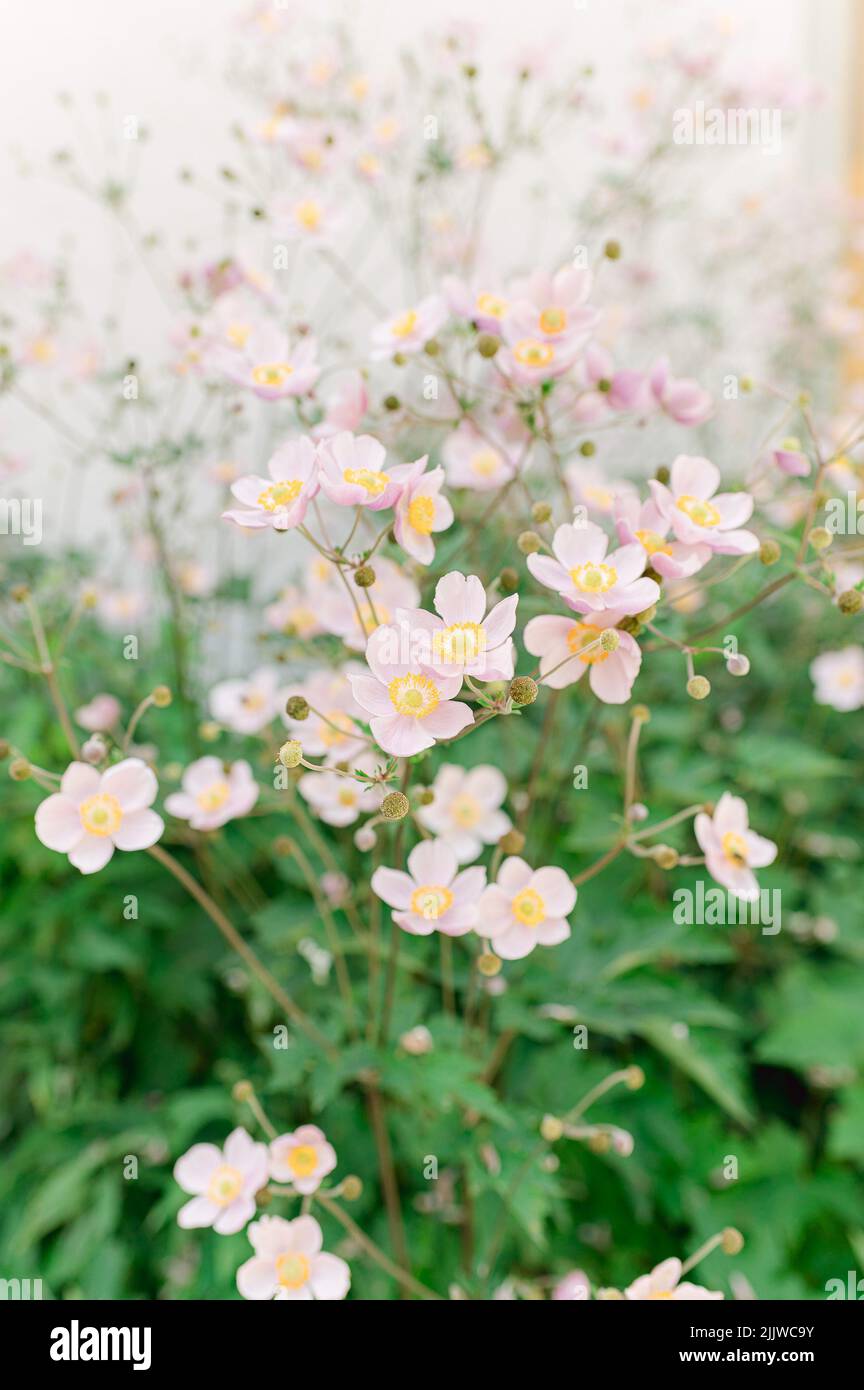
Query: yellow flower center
{"points": [[485, 462], [553, 319], [405, 324], [661, 1293], [415, 696], [594, 579], [491, 305], [292, 1270], [699, 512], [344, 728], [421, 515], [582, 635], [301, 620], [310, 157], [214, 797], [431, 901], [368, 164], [465, 810], [308, 215], [528, 908], [600, 496], [653, 543], [347, 797], [272, 499], [530, 353], [253, 699], [372, 482], [303, 1160], [101, 814], [237, 334], [272, 373], [458, 644], [225, 1185], [735, 849], [43, 350]]}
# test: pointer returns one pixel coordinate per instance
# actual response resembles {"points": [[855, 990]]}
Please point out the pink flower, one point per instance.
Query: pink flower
{"points": [[294, 614], [410, 330], [663, 1283], [525, 908], [591, 487], [247, 706], [352, 472], [330, 729], [289, 1264], [339, 800], [839, 678], [432, 896], [211, 796], [268, 365], [305, 219], [476, 303], [588, 579], [345, 406], [574, 1287], [530, 361], [698, 517], [559, 642], [281, 500], [791, 459], [472, 461], [552, 308], [302, 1158], [223, 1182], [411, 706], [461, 639], [420, 510], [95, 813], [680, 397], [732, 851], [647, 525], [100, 715], [466, 811]]}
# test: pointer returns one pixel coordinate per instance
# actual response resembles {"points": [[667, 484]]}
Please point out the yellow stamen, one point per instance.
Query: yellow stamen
{"points": [[413, 695], [225, 1185], [466, 811], [421, 514], [405, 324], [734, 849], [303, 1160], [101, 814], [308, 215], [272, 373], [529, 908], [530, 353], [491, 306], [485, 462], [653, 543], [553, 319], [213, 798], [594, 579], [700, 513], [371, 481], [458, 644], [272, 499], [582, 635], [292, 1270], [431, 901]]}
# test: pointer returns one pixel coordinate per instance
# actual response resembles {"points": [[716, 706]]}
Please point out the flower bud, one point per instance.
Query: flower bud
{"points": [[641, 712], [19, 593], [529, 542], [732, 1242], [698, 687], [488, 964], [664, 856], [432, 348], [630, 624], [820, 538], [541, 512], [488, 344], [5, 749], [612, 250], [512, 842], [737, 664], [523, 690], [638, 811], [352, 1187], [609, 640], [417, 1041], [769, 552], [587, 448], [395, 806], [209, 731], [551, 1128], [283, 846], [365, 838], [161, 697], [599, 1142], [93, 749], [635, 1079], [425, 797], [662, 475], [391, 403], [19, 769], [243, 1091], [509, 580], [850, 601], [364, 577], [291, 752], [297, 708], [647, 615]]}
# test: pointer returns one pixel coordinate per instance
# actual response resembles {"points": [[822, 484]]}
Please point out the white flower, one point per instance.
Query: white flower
{"points": [[289, 1264], [223, 1181], [466, 812], [302, 1158]]}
